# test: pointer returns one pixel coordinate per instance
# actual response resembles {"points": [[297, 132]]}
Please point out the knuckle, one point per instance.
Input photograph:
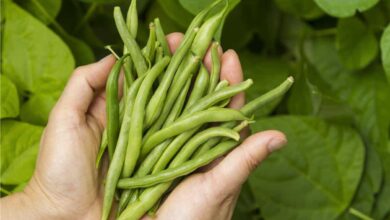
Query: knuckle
{"points": [[250, 160]]}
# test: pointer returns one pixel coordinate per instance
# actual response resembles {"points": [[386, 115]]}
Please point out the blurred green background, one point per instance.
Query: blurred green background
{"points": [[336, 116]]}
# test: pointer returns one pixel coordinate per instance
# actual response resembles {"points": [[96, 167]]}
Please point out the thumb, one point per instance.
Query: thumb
{"points": [[234, 169]]}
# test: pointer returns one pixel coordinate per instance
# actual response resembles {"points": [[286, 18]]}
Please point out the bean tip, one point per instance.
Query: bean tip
{"points": [[290, 78]]}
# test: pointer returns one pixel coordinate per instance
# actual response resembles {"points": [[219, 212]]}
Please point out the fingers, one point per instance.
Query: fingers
{"points": [[174, 40], [234, 169], [231, 71], [83, 85]]}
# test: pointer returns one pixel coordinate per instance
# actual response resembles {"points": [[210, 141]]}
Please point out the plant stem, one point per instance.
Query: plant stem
{"points": [[86, 17], [359, 214]]}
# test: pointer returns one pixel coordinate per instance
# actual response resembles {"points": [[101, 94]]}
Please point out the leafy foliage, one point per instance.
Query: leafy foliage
{"points": [[9, 98], [324, 160], [336, 116]]}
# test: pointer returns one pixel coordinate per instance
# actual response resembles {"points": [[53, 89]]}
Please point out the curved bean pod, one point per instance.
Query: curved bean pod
{"points": [[218, 96], [189, 148], [221, 84], [130, 43], [116, 164], [250, 108], [175, 172], [275, 93], [153, 109], [172, 149], [186, 123], [200, 86], [216, 67], [112, 106], [213, 141], [138, 114], [207, 31]]}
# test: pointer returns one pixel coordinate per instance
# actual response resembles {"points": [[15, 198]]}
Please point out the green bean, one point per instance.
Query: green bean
{"points": [[250, 109], [221, 84], [172, 149], [200, 86], [178, 106], [189, 148], [213, 141], [216, 67], [217, 96], [132, 25], [147, 199], [159, 55], [116, 164], [153, 108], [112, 106], [174, 172], [207, 31], [102, 148], [130, 43], [144, 169], [186, 72], [275, 93], [132, 18], [104, 141], [161, 37], [214, 114], [149, 49], [136, 126]]}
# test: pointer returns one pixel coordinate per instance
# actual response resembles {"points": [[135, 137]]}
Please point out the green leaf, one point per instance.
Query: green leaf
{"points": [[176, 12], [367, 93], [369, 185], [169, 25], [9, 107], [30, 112], [82, 52], [34, 58], [356, 44], [52, 7], [194, 7], [266, 73], [343, 8], [19, 148], [302, 8], [314, 176], [385, 51]]}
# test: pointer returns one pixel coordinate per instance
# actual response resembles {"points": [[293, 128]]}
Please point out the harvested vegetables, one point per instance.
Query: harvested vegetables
{"points": [[165, 125]]}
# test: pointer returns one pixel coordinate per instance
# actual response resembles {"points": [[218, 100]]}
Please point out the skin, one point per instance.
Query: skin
{"points": [[66, 184]]}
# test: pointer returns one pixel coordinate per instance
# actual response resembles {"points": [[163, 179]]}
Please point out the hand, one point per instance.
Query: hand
{"points": [[66, 184]]}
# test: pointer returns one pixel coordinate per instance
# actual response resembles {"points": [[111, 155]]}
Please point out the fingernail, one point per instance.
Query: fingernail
{"points": [[276, 143]]}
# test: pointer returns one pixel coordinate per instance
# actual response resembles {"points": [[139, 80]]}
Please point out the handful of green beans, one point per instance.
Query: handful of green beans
{"points": [[172, 118]]}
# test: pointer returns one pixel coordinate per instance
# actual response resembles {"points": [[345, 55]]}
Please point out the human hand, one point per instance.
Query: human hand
{"points": [[66, 184]]}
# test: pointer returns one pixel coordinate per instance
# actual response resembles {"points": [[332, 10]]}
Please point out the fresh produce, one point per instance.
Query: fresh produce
{"points": [[146, 153]]}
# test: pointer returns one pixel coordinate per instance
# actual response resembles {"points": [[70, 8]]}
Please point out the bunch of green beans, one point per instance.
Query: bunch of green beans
{"points": [[172, 117]]}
